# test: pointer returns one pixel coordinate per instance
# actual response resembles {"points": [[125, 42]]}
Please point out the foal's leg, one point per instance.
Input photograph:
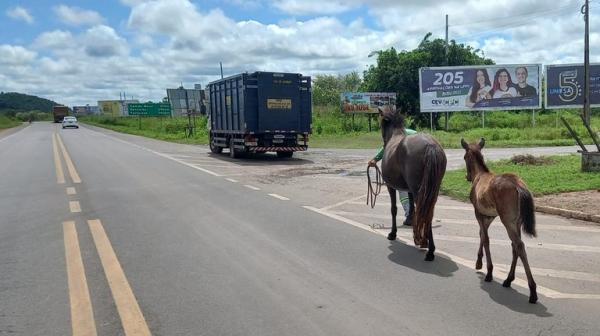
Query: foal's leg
{"points": [[484, 224], [392, 234], [519, 250], [479, 263]]}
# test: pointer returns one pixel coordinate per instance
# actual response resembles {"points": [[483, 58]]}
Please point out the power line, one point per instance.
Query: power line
{"points": [[521, 16]]}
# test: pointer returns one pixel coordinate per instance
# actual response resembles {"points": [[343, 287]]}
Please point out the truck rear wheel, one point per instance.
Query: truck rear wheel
{"points": [[214, 148], [285, 154], [232, 152]]}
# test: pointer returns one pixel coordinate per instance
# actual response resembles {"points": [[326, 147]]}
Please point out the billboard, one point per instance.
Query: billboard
{"points": [[366, 102], [110, 107], [565, 82], [481, 87]]}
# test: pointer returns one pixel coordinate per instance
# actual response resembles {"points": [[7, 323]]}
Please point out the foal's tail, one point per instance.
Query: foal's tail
{"points": [[526, 210], [433, 173]]}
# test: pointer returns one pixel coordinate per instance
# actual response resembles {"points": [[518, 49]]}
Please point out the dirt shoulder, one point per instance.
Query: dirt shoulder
{"points": [[582, 205]]}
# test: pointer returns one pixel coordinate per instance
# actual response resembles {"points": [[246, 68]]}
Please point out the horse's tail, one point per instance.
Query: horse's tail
{"points": [[433, 173], [526, 210]]}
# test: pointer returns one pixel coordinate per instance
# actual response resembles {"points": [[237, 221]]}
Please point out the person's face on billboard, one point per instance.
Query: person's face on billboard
{"points": [[503, 78], [480, 78], [521, 74]]}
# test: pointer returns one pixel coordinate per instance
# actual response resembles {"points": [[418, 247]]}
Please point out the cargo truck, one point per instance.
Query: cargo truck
{"points": [[59, 112], [260, 112]]}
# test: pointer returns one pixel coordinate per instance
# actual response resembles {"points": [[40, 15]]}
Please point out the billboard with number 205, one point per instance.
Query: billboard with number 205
{"points": [[484, 87]]}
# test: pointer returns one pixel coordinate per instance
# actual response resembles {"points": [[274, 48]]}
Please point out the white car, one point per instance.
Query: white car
{"points": [[70, 122]]}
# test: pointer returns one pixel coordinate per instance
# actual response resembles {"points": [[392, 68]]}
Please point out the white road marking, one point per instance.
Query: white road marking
{"points": [[445, 207], [464, 262], [469, 222], [166, 156], [74, 206], [343, 202], [251, 187], [71, 191], [231, 180], [12, 135], [279, 197]]}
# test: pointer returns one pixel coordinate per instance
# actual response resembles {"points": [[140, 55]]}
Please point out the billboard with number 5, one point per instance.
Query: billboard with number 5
{"points": [[481, 87], [565, 82]]}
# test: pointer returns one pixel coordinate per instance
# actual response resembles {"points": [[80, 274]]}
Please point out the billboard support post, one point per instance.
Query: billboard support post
{"points": [[482, 119], [586, 56], [533, 118]]}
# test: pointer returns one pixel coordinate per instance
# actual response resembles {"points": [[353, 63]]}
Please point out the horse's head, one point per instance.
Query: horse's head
{"points": [[473, 157], [391, 119]]}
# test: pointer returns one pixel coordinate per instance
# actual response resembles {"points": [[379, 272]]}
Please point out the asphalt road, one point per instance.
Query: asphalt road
{"points": [[146, 237]]}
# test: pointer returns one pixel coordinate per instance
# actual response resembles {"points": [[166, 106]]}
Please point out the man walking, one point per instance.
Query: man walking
{"points": [[405, 197]]}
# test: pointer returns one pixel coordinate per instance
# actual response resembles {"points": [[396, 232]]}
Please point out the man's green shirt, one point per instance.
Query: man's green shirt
{"points": [[379, 155]]}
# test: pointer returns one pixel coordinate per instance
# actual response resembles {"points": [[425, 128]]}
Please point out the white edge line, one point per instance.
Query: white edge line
{"points": [[12, 135], [166, 156], [279, 197], [251, 187], [550, 293]]}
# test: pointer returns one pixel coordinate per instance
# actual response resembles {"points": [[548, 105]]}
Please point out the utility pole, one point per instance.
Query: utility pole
{"points": [[447, 63], [586, 66]]}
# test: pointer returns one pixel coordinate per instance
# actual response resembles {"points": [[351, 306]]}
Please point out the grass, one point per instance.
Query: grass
{"points": [[562, 173], [168, 129], [332, 129], [6, 122]]}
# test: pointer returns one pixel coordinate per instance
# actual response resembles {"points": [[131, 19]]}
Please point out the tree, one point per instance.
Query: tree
{"points": [[399, 71], [326, 89]]}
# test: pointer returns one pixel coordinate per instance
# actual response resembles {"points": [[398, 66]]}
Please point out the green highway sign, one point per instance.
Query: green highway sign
{"points": [[149, 109]]}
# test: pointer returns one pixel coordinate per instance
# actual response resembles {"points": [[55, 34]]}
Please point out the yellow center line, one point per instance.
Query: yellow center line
{"points": [[71, 191], [82, 315], [60, 176], [131, 315], [70, 165], [74, 206]]}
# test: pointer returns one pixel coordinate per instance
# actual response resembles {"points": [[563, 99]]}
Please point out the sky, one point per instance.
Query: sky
{"points": [[78, 52]]}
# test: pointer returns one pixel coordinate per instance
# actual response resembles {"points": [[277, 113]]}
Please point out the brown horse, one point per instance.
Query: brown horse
{"points": [[503, 195], [415, 163]]}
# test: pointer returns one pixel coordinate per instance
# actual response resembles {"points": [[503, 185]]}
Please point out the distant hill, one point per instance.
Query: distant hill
{"points": [[13, 102]]}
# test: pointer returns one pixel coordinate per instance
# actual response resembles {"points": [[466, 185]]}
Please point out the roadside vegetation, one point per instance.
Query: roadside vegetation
{"points": [[332, 129], [6, 122], [543, 175]]}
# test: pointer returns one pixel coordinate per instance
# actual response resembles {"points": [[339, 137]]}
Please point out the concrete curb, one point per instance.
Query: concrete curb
{"points": [[568, 213]]}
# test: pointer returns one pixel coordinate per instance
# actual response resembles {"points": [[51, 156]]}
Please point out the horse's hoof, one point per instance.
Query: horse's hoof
{"points": [[429, 257], [478, 265], [533, 298], [506, 283], [392, 236], [488, 278]]}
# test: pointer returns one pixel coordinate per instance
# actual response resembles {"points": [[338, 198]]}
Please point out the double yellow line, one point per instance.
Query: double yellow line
{"points": [[60, 177], [82, 313]]}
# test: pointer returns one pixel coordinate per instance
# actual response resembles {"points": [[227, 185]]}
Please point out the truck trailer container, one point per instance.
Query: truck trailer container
{"points": [[260, 112], [59, 112]]}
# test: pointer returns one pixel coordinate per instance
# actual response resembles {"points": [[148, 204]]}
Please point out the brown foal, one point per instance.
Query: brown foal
{"points": [[503, 195]]}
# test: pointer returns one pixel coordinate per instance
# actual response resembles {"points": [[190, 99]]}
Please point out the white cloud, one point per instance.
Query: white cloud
{"points": [[103, 41], [304, 7], [153, 51], [20, 13], [15, 55], [78, 17]]}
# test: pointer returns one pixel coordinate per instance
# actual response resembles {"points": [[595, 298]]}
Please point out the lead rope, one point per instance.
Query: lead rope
{"points": [[373, 192]]}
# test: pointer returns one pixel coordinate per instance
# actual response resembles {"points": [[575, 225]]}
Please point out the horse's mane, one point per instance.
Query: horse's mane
{"points": [[393, 117], [479, 159]]}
